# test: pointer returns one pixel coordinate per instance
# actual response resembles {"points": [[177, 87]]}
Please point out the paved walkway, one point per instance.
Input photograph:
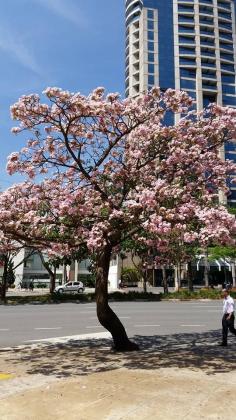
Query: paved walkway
{"points": [[173, 377]]}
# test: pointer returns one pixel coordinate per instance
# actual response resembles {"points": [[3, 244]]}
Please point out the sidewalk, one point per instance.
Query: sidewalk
{"points": [[184, 376]]}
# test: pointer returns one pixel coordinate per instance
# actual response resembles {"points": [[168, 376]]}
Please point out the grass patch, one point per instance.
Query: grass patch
{"points": [[78, 298], [132, 296], [199, 294], [47, 299]]}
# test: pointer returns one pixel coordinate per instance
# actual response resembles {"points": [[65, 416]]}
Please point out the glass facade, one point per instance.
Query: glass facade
{"points": [[183, 44]]}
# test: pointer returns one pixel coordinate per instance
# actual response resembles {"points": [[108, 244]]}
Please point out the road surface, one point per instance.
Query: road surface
{"points": [[22, 324]]}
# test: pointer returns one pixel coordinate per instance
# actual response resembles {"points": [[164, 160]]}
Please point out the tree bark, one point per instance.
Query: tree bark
{"points": [[107, 318], [190, 277], [4, 279], [52, 274], [176, 278], [164, 279], [145, 280], [206, 273]]}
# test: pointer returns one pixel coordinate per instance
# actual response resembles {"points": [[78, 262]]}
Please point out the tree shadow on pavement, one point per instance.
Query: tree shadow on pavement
{"points": [[194, 351]]}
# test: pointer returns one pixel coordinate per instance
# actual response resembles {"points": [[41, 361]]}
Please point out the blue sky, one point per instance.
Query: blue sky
{"points": [[74, 44]]}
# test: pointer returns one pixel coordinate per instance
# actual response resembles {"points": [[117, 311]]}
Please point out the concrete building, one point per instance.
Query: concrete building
{"points": [[32, 269], [184, 44]]}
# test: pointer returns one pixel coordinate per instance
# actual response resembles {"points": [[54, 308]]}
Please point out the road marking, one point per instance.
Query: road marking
{"points": [[213, 310], [4, 376], [65, 339], [209, 306], [192, 325], [95, 326], [203, 306], [147, 325], [48, 328], [4, 329], [87, 312], [120, 317]]}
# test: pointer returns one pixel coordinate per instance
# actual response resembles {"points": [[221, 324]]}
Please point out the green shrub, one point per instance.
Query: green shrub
{"points": [[133, 295], [199, 294], [87, 279], [130, 275]]}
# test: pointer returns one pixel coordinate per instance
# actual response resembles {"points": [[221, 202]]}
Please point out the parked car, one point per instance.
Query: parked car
{"points": [[71, 286]]}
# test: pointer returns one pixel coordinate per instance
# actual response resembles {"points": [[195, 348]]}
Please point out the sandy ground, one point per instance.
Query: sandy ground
{"points": [[177, 377]]}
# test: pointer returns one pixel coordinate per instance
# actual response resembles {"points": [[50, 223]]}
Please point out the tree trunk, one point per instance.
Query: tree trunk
{"points": [[190, 277], [176, 278], [145, 280], [52, 275], [206, 276], [107, 318], [164, 280], [4, 280]]}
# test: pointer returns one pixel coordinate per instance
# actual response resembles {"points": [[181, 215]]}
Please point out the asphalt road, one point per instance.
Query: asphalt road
{"points": [[26, 323]]}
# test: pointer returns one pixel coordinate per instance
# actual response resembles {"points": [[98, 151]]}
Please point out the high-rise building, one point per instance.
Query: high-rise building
{"points": [[184, 44]]}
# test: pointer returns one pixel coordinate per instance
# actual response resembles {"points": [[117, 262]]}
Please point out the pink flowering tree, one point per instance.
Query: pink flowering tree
{"points": [[102, 170]]}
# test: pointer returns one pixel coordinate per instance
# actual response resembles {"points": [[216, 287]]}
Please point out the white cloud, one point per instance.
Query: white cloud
{"points": [[12, 44], [65, 9]]}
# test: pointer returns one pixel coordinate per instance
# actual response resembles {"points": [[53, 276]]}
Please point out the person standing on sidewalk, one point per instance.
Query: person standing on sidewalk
{"points": [[228, 317]]}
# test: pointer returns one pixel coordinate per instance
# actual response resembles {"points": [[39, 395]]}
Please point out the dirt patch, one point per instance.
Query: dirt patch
{"points": [[183, 376], [123, 394]]}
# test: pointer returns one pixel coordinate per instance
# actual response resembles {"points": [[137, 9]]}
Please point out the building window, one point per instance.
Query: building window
{"points": [[151, 57], [187, 84], [230, 90], [208, 99], [227, 78], [151, 80], [229, 100], [150, 36], [150, 25], [150, 46], [188, 73], [150, 14], [151, 68]]}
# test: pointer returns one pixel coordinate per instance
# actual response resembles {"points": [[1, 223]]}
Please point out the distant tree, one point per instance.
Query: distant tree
{"points": [[9, 249]]}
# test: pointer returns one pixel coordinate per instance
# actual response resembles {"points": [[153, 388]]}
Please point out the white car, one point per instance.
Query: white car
{"points": [[71, 286]]}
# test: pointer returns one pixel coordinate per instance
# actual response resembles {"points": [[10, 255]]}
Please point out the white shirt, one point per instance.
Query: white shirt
{"points": [[228, 305]]}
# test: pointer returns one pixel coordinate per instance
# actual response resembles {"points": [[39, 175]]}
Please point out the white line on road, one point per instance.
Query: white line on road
{"points": [[86, 312], [213, 310], [48, 328], [124, 317], [205, 305], [97, 335], [4, 329], [146, 325], [120, 317], [95, 326], [192, 325]]}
